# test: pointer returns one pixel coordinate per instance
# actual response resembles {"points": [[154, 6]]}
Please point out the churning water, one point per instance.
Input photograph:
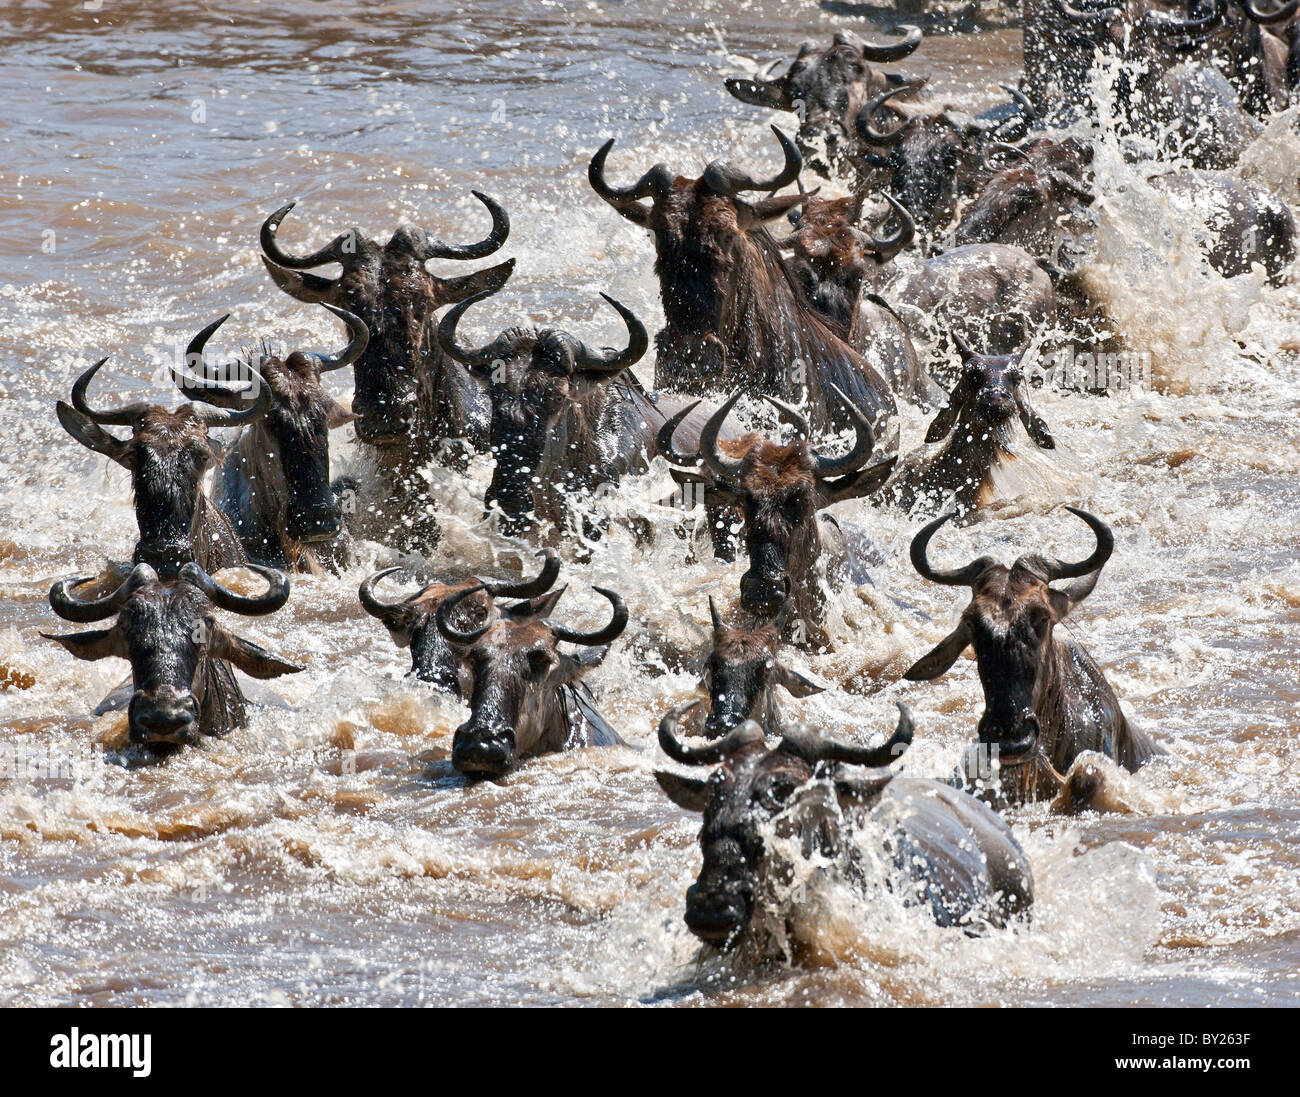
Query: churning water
{"points": [[328, 853]]}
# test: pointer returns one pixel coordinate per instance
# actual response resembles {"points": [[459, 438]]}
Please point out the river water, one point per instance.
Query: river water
{"points": [[328, 854]]}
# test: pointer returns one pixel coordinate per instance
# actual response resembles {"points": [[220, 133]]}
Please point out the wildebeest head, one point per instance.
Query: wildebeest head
{"points": [[779, 489], [532, 376], [989, 394], [292, 445], [518, 706], [410, 622], [749, 795], [167, 630], [1030, 203], [1009, 623], [827, 88], [167, 454], [833, 258], [390, 289], [936, 156], [741, 673], [698, 223]]}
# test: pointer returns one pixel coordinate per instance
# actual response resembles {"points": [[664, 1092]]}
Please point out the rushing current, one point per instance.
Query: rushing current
{"points": [[328, 853]]}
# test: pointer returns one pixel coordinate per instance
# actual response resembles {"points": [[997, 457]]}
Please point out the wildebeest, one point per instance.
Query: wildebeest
{"points": [[181, 658], [836, 262], [936, 154], [167, 455], [741, 674], [1246, 224], [412, 403], [943, 851], [780, 489], [977, 428], [274, 484], [1045, 699], [735, 317], [827, 87], [565, 418], [1259, 53], [411, 625], [528, 697]]}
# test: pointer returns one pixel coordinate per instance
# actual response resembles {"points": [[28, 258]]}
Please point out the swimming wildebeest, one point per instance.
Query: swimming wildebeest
{"points": [[528, 697], [413, 404], [274, 484], [828, 87], [735, 317], [1045, 699], [410, 621], [977, 427], [943, 850], [167, 455], [779, 490], [181, 658]]}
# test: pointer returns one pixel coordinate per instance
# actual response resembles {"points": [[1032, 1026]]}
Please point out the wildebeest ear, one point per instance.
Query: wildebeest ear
{"points": [[487, 280], [686, 792], [857, 484], [942, 657], [1035, 424], [535, 607], [91, 435], [305, 286], [590, 658], [860, 791], [769, 208], [761, 93], [339, 415], [795, 683], [253, 660], [96, 644]]}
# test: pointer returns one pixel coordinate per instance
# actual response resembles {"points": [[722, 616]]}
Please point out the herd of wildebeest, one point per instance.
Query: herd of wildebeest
{"points": [[818, 321]]}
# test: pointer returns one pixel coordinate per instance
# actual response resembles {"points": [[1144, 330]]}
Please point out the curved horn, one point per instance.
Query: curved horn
{"points": [[121, 417], [714, 615], [442, 619], [714, 460], [71, 608], [277, 590], [865, 121], [889, 246], [827, 467], [955, 577], [1166, 22], [897, 50], [653, 182], [664, 439], [218, 393], [1269, 18], [609, 360], [359, 338], [790, 415], [529, 588], [1095, 17], [481, 358], [1054, 569], [1003, 146], [609, 633], [437, 249], [333, 252], [1073, 186], [385, 611], [813, 747], [715, 751], [726, 180]]}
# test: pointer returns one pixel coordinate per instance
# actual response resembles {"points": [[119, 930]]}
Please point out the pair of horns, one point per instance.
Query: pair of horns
{"points": [[343, 249], [1163, 22], [726, 467], [801, 742], [71, 608], [722, 178], [885, 247], [865, 123], [611, 632], [1048, 568], [580, 356], [525, 588]]}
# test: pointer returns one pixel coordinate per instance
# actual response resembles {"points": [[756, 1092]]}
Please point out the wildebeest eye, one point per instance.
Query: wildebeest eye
{"points": [[1014, 376], [775, 794]]}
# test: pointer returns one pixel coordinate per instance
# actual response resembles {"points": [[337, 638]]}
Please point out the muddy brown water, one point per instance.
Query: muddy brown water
{"points": [[327, 853]]}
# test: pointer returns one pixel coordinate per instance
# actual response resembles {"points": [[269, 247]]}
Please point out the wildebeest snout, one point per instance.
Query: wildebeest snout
{"points": [[484, 751], [163, 715]]}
